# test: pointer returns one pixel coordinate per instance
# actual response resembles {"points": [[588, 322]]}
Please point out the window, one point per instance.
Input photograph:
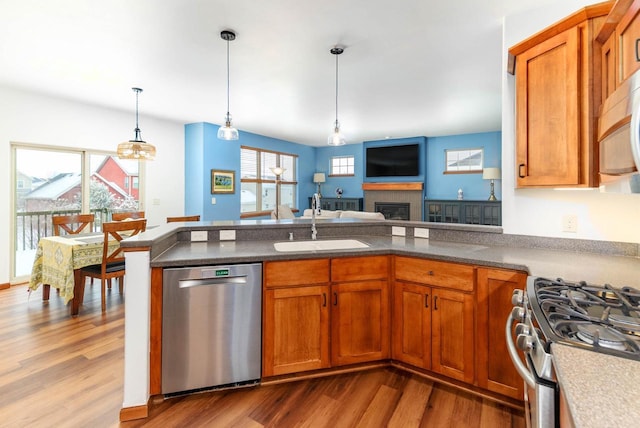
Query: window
{"points": [[342, 165], [259, 189], [463, 161], [55, 180]]}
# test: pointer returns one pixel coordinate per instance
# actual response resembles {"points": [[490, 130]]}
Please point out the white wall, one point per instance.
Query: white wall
{"points": [[539, 212], [26, 117]]}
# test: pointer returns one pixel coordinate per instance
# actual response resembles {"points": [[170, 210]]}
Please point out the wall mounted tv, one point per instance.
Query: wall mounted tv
{"points": [[393, 161]]}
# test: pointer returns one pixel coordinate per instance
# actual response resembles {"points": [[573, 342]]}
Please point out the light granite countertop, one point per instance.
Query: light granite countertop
{"points": [[601, 390]]}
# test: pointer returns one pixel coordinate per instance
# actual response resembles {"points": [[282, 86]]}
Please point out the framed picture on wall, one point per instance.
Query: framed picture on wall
{"points": [[223, 181]]}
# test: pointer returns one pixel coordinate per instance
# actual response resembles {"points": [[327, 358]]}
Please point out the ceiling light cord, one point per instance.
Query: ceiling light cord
{"points": [[228, 83], [337, 124], [336, 138], [137, 130]]}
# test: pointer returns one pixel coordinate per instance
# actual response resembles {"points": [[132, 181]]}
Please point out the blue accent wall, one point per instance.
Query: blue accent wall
{"points": [[351, 186], [445, 186], [204, 152]]}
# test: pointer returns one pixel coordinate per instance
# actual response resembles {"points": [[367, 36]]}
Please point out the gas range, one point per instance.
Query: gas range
{"points": [[599, 318]]}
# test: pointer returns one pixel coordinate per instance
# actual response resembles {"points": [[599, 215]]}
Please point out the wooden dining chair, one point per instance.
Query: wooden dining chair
{"points": [[128, 215], [112, 265], [183, 218], [72, 224]]}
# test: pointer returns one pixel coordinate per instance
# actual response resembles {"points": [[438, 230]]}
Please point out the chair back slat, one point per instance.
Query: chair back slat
{"points": [[183, 218], [119, 230], [128, 215], [72, 224]]}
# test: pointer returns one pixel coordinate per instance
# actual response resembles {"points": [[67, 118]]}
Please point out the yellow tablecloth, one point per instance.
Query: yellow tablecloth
{"points": [[58, 256]]}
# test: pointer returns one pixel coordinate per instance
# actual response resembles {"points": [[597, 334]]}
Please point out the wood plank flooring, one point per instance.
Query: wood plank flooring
{"points": [[59, 371]]}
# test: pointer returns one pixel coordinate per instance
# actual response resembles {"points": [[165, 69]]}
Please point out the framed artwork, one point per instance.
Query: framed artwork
{"points": [[463, 161], [223, 181]]}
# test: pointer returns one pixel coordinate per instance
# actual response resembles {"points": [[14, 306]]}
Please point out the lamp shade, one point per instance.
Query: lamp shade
{"points": [[491, 174], [139, 150], [319, 177], [277, 170]]}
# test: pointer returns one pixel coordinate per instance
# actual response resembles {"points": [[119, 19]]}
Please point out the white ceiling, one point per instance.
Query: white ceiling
{"points": [[410, 67]]}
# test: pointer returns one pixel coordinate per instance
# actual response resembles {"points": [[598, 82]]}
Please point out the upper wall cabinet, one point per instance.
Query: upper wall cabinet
{"points": [[619, 37], [557, 102]]}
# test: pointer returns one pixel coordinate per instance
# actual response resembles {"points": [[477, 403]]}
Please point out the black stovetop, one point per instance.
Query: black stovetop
{"points": [[600, 318]]}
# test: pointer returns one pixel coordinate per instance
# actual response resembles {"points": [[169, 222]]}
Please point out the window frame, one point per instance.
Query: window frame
{"points": [[260, 181], [449, 169], [347, 174]]}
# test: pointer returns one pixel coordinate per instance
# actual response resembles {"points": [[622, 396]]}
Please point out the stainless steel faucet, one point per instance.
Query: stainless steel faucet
{"points": [[315, 206]]}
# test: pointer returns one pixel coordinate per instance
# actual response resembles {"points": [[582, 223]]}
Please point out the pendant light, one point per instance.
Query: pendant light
{"points": [[136, 148], [336, 138], [228, 132]]}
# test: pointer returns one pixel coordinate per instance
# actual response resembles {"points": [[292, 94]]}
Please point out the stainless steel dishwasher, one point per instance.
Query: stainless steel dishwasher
{"points": [[211, 327]]}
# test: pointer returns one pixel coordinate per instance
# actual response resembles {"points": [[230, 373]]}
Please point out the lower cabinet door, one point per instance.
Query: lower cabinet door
{"points": [[411, 322], [452, 334], [295, 330], [359, 322], [495, 370]]}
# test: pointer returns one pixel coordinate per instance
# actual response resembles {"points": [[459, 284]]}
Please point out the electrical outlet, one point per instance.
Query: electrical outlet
{"points": [[570, 223], [227, 235], [398, 231], [199, 235], [420, 232]]}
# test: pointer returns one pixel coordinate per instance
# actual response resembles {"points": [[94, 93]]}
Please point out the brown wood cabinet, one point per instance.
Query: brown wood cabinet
{"points": [[619, 38], [557, 102], [295, 316], [495, 369], [314, 320], [360, 315], [433, 318]]}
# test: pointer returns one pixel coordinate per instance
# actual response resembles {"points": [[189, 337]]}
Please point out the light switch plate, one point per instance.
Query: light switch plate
{"points": [[420, 232], [227, 235], [398, 231], [199, 235]]}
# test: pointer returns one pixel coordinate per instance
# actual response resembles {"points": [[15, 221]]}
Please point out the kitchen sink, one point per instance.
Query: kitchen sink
{"points": [[320, 245]]}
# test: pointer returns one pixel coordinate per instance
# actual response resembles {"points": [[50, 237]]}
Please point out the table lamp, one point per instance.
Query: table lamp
{"points": [[491, 174], [319, 178]]}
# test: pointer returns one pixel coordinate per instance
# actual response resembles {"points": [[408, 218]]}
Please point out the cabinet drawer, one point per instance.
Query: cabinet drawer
{"points": [[296, 272], [430, 272], [359, 268]]}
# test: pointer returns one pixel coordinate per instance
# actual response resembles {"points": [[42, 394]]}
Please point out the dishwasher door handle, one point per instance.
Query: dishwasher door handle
{"points": [[206, 282]]}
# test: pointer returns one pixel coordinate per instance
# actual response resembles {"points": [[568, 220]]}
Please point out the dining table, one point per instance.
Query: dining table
{"points": [[58, 262]]}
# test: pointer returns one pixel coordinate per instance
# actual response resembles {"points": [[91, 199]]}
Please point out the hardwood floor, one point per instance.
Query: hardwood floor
{"points": [[68, 372]]}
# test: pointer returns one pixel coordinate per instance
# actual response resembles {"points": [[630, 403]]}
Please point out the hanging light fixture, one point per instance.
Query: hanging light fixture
{"points": [[336, 138], [227, 132], [136, 148]]}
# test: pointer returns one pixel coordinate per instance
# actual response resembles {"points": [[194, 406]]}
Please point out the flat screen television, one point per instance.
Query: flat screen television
{"points": [[393, 161]]}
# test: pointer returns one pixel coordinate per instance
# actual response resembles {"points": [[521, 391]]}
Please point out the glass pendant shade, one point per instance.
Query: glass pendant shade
{"points": [[227, 132], [136, 149], [133, 149], [336, 138]]}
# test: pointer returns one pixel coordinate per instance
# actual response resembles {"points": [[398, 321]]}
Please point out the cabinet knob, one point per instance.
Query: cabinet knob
{"points": [[430, 273]]}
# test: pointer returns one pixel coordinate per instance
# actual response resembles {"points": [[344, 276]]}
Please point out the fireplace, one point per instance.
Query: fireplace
{"points": [[408, 194], [393, 210]]}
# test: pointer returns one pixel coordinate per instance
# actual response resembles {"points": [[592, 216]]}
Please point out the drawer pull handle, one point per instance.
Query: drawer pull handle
{"points": [[637, 53], [435, 303], [520, 174], [335, 299], [324, 299], [426, 300]]}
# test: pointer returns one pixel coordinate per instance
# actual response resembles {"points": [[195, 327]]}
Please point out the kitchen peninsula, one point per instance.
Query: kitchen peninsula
{"points": [[475, 249]]}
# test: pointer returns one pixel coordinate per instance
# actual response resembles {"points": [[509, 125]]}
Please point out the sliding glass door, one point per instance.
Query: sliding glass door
{"points": [[50, 181]]}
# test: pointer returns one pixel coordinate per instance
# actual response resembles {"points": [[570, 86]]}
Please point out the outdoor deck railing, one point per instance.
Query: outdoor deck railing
{"points": [[31, 226]]}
